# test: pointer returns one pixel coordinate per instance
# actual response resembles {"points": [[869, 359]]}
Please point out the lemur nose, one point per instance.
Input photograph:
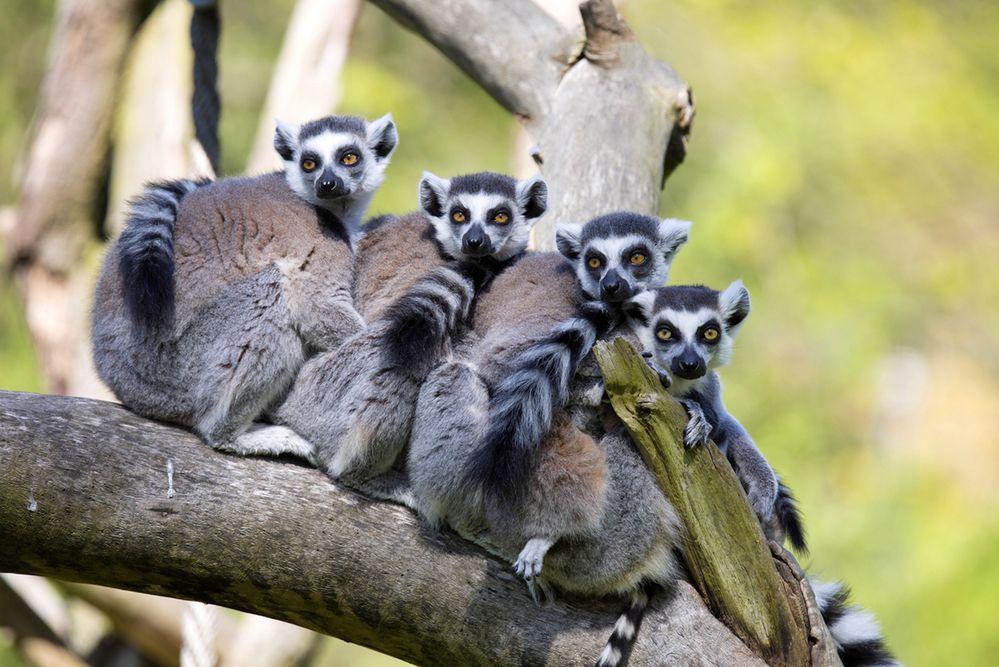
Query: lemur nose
{"points": [[688, 366], [474, 243], [328, 185]]}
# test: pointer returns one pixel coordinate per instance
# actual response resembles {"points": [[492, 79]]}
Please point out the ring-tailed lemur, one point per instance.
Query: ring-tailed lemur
{"points": [[215, 293], [417, 277], [570, 486], [688, 332], [614, 257]]}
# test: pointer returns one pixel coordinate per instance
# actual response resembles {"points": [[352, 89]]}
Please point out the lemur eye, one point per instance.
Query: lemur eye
{"points": [[710, 335], [594, 263], [309, 165], [637, 259], [664, 334], [501, 218], [457, 216], [349, 159]]}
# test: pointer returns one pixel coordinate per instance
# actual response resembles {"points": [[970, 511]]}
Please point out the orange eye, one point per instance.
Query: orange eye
{"points": [[349, 159], [501, 218], [710, 335], [309, 165], [664, 334], [637, 259], [457, 216], [594, 263]]}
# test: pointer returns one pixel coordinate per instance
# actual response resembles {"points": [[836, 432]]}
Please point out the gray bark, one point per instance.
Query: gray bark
{"points": [[607, 118], [85, 496]]}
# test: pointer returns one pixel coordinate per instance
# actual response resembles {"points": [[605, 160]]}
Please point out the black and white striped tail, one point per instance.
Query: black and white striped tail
{"points": [[619, 645], [423, 321], [524, 403], [789, 516], [854, 629], [145, 251]]}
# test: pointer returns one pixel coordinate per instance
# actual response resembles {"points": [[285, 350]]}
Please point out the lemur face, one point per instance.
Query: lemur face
{"points": [[484, 214], [689, 329], [335, 157], [620, 254]]}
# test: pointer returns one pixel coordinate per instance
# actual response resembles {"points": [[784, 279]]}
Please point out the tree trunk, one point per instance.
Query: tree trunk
{"points": [[89, 492], [62, 183]]}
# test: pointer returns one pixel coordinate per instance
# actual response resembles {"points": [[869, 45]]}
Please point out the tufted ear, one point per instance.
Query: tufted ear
{"points": [[382, 137], [734, 304], [639, 307], [567, 239], [673, 233], [285, 139], [433, 194], [532, 197]]}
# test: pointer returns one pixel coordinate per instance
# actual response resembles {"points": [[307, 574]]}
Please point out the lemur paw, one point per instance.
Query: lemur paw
{"points": [[762, 500], [529, 564], [698, 430], [664, 377]]}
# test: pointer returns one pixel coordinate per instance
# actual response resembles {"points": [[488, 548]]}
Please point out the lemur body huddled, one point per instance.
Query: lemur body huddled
{"points": [[432, 360]]}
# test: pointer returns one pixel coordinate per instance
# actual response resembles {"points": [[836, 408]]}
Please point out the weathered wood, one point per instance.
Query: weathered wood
{"points": [[726, 554], [603, 113], [85, 495]]}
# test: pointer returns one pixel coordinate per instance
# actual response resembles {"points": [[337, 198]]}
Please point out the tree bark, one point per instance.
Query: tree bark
{"points": [[86, 494], [62, 182], [607, 118]]}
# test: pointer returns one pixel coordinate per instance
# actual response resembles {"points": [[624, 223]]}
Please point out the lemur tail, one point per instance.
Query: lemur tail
{"points": [[786, 507], [145, 251], [524, 403], [854, 630], [423, 321], [619, 645]]}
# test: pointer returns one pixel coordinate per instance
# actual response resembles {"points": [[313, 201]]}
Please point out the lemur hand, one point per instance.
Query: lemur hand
{"points": [[698, 430], [664, 376]]}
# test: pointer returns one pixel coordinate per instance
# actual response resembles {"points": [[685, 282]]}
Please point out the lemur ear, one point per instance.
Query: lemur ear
{"points": [[532, 197], [567, 239], [433, 194], [382, 137], [285, 139], [735, 305], [639, 307], [673, 233]]}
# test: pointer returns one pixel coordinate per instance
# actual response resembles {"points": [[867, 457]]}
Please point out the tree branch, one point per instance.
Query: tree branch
{"points": [[509, 48], [85, 496]]}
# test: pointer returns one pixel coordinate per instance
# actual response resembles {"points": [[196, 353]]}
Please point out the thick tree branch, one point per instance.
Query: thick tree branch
{"points": [[509, 48], [85, 495]]}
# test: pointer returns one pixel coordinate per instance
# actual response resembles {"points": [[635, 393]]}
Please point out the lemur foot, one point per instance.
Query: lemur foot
{"points": [[698, 430], [664, 377], [269, 440], [529, 564]]}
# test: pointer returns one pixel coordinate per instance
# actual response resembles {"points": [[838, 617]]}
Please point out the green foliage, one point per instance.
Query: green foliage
{"points": [[843, 164]]}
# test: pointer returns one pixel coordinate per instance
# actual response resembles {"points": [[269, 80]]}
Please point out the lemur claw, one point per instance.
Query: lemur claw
{"points": [[697, 431]]}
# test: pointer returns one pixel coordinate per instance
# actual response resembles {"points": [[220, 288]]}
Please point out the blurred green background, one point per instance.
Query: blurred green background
{"points": [[845, 163]]}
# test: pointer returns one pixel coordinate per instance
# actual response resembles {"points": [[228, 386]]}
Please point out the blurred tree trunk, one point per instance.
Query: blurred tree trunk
{"points": [[62, 183], [306, 80]]}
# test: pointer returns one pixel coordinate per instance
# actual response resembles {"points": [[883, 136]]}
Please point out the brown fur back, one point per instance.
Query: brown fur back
{"points": [[391, 259], [521, 306], [237, 227]]}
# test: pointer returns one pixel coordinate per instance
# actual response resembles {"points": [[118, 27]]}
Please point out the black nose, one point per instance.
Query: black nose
{"points": [[613, 288], [689, 366], [329, 185], [474, 243]]}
